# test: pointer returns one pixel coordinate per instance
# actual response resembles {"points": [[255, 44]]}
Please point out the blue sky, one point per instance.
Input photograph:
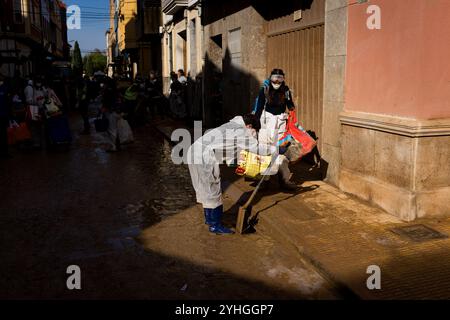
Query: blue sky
{"points": [[94, 23]]}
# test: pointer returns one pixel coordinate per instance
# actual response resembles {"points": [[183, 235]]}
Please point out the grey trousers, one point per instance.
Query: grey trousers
{"points": [[206, 182]]}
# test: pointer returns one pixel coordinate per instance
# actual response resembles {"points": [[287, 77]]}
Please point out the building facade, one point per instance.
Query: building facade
{"points": [[33, 34], [133, 37], [182, 48], [148, 21], [111, 39], [182, 39], [387, 103]]}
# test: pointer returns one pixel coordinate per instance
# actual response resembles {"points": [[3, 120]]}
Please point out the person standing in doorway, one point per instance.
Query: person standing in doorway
{"points": [[177, 105]]}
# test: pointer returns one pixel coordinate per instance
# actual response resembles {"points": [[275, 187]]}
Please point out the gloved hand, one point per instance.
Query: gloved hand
{"points": [[283, 149]]}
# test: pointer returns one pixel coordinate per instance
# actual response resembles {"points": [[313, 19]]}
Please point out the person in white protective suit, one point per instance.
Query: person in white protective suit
{"points": [[271, 106], [222, 144]]}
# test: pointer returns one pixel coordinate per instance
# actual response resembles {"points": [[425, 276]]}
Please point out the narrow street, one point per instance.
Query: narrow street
{"points": [[130, 222], [345, 104]]}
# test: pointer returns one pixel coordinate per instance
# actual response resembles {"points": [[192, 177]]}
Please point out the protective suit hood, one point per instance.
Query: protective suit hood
{"points": [[239, 120]]}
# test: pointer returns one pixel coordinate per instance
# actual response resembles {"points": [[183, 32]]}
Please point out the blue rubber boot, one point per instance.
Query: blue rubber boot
{"points": [[208, 216], [216, 222]]}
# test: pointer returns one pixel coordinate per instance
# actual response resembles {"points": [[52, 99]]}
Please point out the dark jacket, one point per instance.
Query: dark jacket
{"points": [[276, 101]]}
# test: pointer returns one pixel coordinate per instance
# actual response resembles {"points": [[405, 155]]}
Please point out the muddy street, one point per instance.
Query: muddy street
{"points": [[130, 222]]}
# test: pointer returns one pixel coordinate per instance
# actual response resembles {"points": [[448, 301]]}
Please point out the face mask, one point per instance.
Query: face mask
{"points": [[276, 86], [1, 83], [102, 85]]}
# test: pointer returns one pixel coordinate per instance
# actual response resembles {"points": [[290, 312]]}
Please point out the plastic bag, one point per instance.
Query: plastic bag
{"points": [[12, 133], [51, 108], [294, 151], [124, 131], [252, 165], [298, 133], [22, 133], [33, 113]]}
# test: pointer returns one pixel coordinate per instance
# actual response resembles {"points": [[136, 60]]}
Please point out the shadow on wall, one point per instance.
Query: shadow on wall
{"points": [[269, 11], [216, 10], [229, 91]]}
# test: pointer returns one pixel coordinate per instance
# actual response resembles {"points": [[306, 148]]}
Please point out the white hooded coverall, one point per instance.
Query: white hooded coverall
{"points": [[222, 144]]}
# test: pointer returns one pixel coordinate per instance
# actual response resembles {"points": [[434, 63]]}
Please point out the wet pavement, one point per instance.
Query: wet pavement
{"points": [[130, 222]]}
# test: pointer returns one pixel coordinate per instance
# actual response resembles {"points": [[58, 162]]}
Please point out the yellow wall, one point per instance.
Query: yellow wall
{"points": [[127, 28]]}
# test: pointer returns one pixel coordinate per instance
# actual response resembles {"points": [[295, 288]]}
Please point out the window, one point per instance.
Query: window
{"points": [[170, 53], [193, 48], [234, 45], [18, 12], [217, 40], [180, 50]]}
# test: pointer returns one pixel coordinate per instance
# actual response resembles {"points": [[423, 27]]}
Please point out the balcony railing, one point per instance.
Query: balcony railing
{"points": [[172, 6]]}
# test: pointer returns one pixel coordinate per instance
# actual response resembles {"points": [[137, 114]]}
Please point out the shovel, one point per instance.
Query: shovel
{"points": [[244, 214]]}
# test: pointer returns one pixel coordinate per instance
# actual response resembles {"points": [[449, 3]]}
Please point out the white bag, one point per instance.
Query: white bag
{"points": [[51, 107], [124, 131], [34, 112], [273, 128]]}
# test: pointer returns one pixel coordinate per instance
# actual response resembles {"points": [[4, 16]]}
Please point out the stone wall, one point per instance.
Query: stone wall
{"points": [[334, 80], [400, 164]]}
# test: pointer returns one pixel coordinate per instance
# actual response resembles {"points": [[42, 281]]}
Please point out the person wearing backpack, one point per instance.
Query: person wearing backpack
{"points": [[271, 107]]}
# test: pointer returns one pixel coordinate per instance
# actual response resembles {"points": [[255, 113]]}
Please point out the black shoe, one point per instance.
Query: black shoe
{"points": [[288, 186]]}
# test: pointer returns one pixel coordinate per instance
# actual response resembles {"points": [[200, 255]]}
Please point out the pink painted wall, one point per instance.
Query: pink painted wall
{"points": [[404, 68]]}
